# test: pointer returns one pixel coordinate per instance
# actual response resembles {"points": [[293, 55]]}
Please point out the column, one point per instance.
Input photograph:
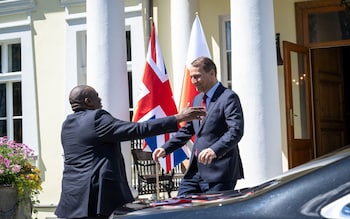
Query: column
{"points": [[182, 15], [106, 60], [254, 78]]}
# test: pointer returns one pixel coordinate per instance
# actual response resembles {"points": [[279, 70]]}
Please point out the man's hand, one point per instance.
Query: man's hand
{"points": [[190, 113], [158, 153], [206, 156]]}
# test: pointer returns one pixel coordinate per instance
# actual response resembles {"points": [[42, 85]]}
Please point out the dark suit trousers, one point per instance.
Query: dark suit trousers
{"points": [[197, 185]]}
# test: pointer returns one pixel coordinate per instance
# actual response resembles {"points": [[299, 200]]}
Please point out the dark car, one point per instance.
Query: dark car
{"points": [[317, 189]]}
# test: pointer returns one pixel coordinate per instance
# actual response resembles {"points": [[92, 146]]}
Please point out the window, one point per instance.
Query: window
{"points": [[226, 77], [10, 91], [81, 56], [14, 57], [328, 26], [3, 112], [18, 115], [128, 45], [129, 61]]}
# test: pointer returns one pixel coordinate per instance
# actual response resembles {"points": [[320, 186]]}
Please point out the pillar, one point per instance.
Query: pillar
{"points": [[106, 60], [183, 13], [254, 78]]}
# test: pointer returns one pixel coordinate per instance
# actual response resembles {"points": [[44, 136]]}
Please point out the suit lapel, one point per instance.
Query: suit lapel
{"points": [[213, 102]]}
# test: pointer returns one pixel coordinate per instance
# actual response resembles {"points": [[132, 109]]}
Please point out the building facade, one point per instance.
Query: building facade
{"points": [[48, 47]]}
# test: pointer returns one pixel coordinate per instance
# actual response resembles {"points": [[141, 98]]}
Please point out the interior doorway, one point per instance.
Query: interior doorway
{"points": [[330, 70], [346, 67], [322, 29]]}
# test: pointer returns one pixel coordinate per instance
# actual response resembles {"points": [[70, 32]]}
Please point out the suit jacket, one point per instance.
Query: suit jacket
{"points": [[94, 179], [220, 130]]}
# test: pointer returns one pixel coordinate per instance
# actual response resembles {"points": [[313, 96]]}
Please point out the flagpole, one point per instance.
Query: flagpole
{"points": [[157, 181], [151, 22], [156, 104]]}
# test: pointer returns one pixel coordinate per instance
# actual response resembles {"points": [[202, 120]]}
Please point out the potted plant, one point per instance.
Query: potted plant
{"points": [[19, 179]]}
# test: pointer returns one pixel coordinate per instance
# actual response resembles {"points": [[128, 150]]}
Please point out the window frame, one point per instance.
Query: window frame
{"points": [[21, 31], [223, 51]]}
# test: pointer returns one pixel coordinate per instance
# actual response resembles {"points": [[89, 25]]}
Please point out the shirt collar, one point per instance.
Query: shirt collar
{"points": [[211, 91]]}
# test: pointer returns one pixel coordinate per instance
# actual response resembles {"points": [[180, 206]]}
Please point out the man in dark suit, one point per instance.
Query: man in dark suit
{"points": [[94, 180], [215, 164]]}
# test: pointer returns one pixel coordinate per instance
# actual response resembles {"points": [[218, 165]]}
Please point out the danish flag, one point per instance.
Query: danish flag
{"points": [[156, 101]]}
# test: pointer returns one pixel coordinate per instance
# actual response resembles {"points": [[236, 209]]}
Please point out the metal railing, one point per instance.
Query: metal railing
{"points": [[178, 172]]}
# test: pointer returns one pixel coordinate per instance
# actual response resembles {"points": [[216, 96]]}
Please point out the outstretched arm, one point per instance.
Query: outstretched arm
{"points": [[190, 113], [158, 153]]}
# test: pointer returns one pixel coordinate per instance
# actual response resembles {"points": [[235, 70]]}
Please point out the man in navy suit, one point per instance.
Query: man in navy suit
{"points": [[94, 181], [215, 164]]}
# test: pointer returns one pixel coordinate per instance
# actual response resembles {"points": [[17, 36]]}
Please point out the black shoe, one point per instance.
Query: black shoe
{"points": [[122, 210]]}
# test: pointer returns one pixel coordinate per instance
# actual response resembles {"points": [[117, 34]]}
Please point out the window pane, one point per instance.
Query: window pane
{"points": [[3, 131], [131, 105], [229, 78], [14, 58], [17, 125], [2, 100], [17, 99], [228, 53], [299, 91], [128, 45], [228, 34], [330, 26], [0, 59]]}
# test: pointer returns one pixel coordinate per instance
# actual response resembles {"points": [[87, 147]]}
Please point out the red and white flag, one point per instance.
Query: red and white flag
{"points": [[156, 101], [197, 47]]}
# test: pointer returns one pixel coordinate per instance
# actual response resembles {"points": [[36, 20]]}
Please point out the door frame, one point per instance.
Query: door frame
{"points": [[300, 147], [302, 12]]}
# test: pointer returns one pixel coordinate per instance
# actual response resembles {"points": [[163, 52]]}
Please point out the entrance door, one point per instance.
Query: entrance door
{"points": [[298, 104], [323, 27], [328, 83]]}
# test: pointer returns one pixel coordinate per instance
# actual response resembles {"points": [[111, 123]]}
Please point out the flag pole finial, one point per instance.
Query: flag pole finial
{"points": [[151, 20]]}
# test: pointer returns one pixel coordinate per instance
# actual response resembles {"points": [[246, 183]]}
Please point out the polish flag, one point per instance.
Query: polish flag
{"points": [[197, 47], [156, 101]]}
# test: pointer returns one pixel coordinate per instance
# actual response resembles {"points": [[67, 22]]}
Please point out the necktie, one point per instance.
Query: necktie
{"points": [[204, 101], [204, 105]]}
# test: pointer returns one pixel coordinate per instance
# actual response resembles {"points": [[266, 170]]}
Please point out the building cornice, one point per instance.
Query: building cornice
{"points": [[67, 3], [8, 7]]}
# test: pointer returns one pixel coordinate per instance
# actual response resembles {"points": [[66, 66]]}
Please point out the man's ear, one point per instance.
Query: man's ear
{"points": [[87, 101], [212, 72]]}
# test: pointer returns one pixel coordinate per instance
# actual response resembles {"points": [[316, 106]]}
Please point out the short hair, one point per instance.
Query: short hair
{"points": [[77, 97], [204, 62]]}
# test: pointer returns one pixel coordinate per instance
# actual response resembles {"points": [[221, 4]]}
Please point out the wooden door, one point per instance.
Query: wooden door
{"points": [[298, 104], [328, 99]]}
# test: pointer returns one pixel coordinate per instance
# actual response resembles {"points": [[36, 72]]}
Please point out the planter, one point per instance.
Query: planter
{"points": [[10, 205], [8, 202]]}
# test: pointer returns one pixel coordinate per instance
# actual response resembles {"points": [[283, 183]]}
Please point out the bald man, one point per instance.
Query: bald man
{"points": [[94, 180]]}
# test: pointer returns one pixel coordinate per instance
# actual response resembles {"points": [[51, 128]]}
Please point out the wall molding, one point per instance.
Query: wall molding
{"points": [[16, 6]]}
